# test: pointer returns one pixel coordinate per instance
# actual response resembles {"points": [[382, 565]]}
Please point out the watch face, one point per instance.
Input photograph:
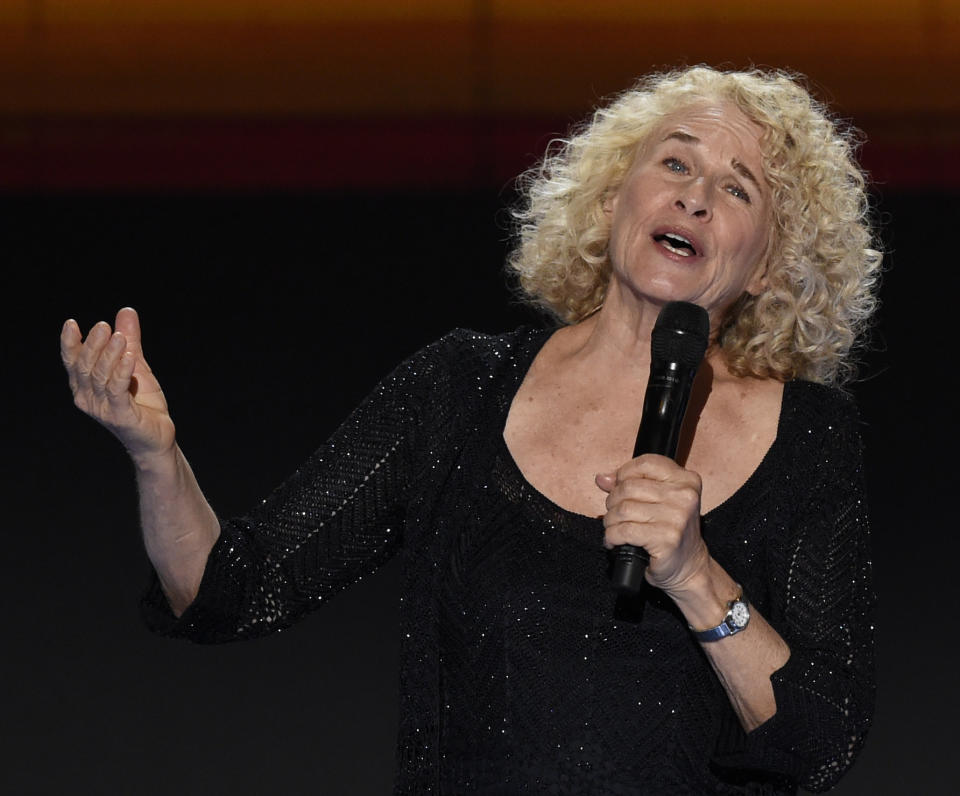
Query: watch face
{"points": [[739, 614]]}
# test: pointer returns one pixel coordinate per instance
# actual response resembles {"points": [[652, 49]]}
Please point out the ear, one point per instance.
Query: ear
{"points": [[609, 204], [758, 282]]}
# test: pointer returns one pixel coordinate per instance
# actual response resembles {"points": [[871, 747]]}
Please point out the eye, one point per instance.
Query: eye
{"points": [[739, 193], [676, 166]]}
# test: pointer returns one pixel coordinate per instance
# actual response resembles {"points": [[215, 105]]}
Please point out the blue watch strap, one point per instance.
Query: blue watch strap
{"points": [[715, 633], [737, 618]]}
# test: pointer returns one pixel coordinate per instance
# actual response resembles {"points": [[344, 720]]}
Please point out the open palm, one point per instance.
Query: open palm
{"points": [[112, 382]]}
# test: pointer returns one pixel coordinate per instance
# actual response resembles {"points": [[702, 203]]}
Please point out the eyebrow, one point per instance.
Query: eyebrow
{"points": [[740, 168]]}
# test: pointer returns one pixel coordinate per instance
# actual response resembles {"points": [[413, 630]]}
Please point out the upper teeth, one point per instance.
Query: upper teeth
{"points": [[672, 241]]}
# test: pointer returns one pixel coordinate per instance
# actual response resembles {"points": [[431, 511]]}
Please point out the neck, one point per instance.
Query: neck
{"points": [[616, 339], [620, 331]]}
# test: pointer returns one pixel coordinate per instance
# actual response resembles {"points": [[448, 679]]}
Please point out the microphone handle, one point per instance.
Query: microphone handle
{"points": [[664, 407]]}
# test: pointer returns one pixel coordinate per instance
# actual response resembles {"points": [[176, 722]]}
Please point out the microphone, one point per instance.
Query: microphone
{"points": [[677, 345]]}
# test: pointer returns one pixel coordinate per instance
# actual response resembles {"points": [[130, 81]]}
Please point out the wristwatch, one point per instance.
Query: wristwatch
{"points": [[738, 615]]}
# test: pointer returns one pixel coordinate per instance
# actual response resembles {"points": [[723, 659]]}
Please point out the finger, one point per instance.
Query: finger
{"points": [[671, 503], [128, 322], [69, 342], [638, 534], [634, 511], [107, 363], [649, 465], [653, 532], [90, 352], [658, 469], [640, 489], [646, 466], [118, 385]]}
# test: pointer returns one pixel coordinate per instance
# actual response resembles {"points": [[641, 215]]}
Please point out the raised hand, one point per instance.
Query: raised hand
{"points": [[112, 382]]}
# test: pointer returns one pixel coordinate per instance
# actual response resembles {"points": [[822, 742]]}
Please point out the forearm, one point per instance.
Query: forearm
{"points": [[179, 527], [743, 662]]}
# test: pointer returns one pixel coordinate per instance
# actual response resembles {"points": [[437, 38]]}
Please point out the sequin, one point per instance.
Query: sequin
{"points": [[518, 672]]}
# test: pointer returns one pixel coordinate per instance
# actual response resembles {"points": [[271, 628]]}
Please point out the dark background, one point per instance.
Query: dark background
{"points": [[296, 195], [267, 317]]}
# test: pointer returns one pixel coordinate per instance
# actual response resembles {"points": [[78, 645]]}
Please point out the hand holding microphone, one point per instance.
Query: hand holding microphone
{"points": [[678, 343]]}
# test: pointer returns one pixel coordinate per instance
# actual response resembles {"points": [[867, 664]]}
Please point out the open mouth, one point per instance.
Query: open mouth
{"points": [[675, 243]]}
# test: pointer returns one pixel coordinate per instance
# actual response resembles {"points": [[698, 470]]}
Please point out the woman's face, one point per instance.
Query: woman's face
{"points": [[691, 221]]}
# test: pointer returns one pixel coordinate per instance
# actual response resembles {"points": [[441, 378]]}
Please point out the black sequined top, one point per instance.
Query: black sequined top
{"points": [[519, 671]]}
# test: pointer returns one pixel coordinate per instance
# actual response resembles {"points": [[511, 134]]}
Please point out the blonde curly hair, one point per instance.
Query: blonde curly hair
{"points": [[821, 269]]}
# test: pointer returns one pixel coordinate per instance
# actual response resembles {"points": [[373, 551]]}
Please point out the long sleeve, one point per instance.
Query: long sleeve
{"points": [[339, 517], [821, 601], [547, 686]]}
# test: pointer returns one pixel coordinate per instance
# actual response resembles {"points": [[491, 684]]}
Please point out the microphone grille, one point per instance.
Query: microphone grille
{"points": [[681, 334]]}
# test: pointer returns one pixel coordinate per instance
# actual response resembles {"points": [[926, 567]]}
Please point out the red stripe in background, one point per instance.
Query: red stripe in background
{"points": [[367, 154]]}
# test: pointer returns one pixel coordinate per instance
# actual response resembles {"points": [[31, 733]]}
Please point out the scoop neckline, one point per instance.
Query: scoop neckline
{"points": [[533, 347]]}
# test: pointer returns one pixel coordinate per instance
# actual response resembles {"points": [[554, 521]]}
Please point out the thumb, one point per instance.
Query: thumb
{"points": [[128, 323], [606, 481]]}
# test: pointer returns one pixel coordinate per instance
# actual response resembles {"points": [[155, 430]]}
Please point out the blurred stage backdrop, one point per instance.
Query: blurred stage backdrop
{"points": [[296, 195]]}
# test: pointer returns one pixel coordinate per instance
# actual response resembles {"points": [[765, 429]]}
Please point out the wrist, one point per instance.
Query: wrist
{"points": [[152, 464], [704, 597]]}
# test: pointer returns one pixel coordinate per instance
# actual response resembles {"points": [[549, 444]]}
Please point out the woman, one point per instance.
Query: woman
{"points": [[485, 462]]}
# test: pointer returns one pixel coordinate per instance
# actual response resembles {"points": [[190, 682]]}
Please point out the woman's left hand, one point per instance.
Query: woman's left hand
{"points": [[654, 503]]}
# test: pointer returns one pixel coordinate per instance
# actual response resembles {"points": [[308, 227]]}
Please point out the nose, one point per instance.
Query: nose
{"points": [[694, 199]]}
